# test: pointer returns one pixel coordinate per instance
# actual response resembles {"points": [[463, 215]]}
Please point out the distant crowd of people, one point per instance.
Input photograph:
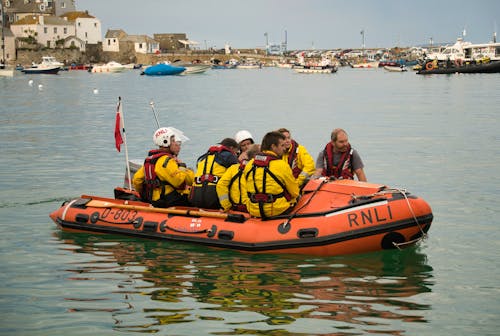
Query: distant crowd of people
{"points": [[263, 179]]}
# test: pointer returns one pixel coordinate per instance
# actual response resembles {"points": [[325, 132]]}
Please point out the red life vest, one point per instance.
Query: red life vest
{"points": [[151, 181], [343, 169], [292, 159]]}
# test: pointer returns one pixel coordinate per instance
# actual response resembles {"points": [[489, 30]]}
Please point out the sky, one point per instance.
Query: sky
{"points": [[309, 24]]}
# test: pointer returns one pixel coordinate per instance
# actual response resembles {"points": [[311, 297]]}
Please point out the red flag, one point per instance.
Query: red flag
{"points": [[118, 128]]}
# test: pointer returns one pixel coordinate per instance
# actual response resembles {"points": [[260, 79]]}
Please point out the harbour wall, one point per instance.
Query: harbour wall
{"points": [[96, 55]]}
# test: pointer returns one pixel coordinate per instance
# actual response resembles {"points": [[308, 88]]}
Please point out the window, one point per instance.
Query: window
{"points": [[95, 24], [79, 24], [63, 5], [109, 42], [55, 30], [86, 34], [140, 45], [45, 30], [65, 30]]}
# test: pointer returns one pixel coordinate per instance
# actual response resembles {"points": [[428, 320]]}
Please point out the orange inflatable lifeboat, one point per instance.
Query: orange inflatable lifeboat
{"points": [[331, 218]]}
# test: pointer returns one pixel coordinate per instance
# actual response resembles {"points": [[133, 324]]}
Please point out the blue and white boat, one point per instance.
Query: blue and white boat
{"points": [[162, 69]]}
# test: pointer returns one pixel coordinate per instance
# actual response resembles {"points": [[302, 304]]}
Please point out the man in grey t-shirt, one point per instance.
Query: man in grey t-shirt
{"points": [[339, 160]]}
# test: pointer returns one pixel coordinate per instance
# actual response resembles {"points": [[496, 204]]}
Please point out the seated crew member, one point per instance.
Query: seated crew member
{"points": [[232, 184], [210, 168], [244, 140], [163, 179], [298, 158], [271, 188], [339, 160]]}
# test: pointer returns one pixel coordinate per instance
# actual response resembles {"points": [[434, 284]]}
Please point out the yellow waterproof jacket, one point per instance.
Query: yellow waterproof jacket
{"points": [[172, 175], [302, 163], [231, 187], [213, 164], [256, 190]]}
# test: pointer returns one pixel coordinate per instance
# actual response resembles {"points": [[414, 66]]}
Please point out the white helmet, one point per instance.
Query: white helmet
{"points": [[243, 135], [162, 136]]}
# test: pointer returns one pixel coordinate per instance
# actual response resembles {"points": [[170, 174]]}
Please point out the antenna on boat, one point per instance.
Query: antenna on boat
{"points": [[495, 33], [152, 104]]}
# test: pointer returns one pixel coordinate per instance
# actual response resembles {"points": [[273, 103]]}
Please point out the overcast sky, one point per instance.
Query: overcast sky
{"points": [[319, 24]]}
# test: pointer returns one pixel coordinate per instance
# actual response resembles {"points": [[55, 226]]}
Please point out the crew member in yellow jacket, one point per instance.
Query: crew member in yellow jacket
{"points": [[210, 168], [299, 159], [163, 179], [271, 188], [232, 185]]}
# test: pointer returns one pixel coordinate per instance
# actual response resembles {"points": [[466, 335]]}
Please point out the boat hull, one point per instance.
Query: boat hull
{"points": [[163, 70], [47, 71], [492, 67], [327, 221], [397, 68], [315, 69]]}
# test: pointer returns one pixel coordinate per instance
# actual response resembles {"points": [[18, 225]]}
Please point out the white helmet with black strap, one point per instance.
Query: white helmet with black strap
{"points": [[162, 136]]}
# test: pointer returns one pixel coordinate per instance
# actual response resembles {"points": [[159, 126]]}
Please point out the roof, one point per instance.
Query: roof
{"points": [[115, 33], [140, 39], [48, 20], [72, 16]]}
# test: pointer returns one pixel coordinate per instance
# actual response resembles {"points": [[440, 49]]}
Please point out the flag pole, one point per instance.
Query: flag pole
{"points": [[122, 121]]}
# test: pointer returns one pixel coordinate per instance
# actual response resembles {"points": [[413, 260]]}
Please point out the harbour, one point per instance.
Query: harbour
{"points": [[434, 135]]}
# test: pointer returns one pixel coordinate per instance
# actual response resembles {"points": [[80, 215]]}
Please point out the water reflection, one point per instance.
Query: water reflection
{"points": [[150, 286]]}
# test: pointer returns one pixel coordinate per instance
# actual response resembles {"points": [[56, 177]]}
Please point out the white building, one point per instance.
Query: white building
{"points": [[49, 31], [87, 27], [112, 40], [143, 44]]}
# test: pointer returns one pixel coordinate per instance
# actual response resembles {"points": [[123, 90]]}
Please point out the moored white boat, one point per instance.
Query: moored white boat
{"points": [[108, 67], [192, 68], [399, 68], [315, 69], [49, 65], [365, 65]]}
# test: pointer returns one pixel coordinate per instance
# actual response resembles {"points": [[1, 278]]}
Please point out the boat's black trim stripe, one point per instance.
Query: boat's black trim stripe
{"points": [[423, 221]]}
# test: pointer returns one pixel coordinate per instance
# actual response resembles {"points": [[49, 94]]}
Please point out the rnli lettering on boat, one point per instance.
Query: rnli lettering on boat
{"points": [[370, 216], [374, 213]]}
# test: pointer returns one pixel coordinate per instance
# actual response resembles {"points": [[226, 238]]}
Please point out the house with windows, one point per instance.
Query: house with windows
{"points": [[16, 10], [143, 44], [87, 27], [112, 40], [48, 31], [117, 40]]}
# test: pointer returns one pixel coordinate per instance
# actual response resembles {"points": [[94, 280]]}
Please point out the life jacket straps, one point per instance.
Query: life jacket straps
{"points": [[236, 177], [292, 158], [262, 197], [151, 180]]}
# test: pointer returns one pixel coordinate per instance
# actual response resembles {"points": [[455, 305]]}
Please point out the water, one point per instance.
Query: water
{"points": [[436, 136]]}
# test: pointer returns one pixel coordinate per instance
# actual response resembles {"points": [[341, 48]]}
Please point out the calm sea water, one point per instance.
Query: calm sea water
{"points": [[437, 136]]}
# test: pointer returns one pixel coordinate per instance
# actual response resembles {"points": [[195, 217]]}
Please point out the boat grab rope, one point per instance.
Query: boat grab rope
{"points": [[405, 195], [423, 236]]}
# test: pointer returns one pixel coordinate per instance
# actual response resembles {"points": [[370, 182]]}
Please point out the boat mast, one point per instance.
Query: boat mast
{"points": [[363, 41]]}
